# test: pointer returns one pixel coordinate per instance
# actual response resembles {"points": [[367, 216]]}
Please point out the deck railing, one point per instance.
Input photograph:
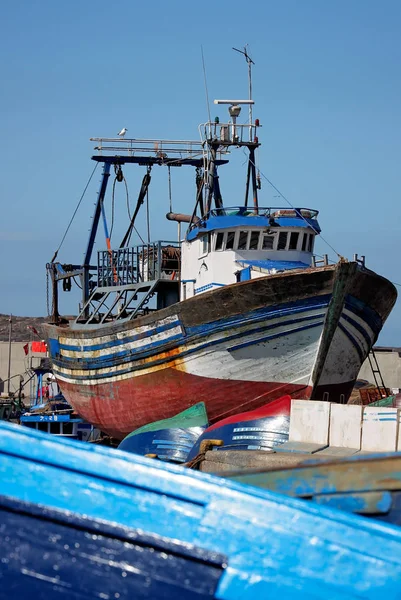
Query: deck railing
{"points": [[148, 262]]}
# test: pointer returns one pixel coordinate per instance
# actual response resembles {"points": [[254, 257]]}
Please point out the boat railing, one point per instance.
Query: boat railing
{"points": [[160, 149], [147, 262], [271, 212], [228, 134]]}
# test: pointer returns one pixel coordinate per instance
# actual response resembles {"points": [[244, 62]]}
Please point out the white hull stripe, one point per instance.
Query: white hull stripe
{"points": [[108, 340], [103, 363], [143, 366]]}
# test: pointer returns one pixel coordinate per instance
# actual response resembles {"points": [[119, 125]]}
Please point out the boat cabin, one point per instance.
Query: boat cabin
{"points": [[238, 244]]}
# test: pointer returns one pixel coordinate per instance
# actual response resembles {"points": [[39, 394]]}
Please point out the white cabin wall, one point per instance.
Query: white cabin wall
{"points": [[203, 270]]}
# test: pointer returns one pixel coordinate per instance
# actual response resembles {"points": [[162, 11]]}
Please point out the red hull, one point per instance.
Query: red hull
{"points": [[107, 406]]}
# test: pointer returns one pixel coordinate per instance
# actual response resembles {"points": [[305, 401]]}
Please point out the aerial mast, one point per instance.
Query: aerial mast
{"points": [[250, 62]]}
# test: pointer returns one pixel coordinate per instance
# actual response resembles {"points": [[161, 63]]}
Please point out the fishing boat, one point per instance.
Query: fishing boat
{"points": [[237, 313], [94, 522]]}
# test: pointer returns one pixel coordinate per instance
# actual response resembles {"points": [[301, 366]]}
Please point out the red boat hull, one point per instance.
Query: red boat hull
{"points": [[141, 400]]}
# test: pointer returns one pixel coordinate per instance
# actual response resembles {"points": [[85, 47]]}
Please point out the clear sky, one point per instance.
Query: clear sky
{"points": [[327, 89]]}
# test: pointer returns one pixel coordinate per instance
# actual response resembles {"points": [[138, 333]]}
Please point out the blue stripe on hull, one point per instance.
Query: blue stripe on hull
{"points": [[365, 313], [259, 314], [115, 341], [353, 342], [163, 360], [274, 336], [132, 354], [199, 332]]}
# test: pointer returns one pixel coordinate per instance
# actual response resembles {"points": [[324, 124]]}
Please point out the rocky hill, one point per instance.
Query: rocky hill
{"points": [[20, 328]]}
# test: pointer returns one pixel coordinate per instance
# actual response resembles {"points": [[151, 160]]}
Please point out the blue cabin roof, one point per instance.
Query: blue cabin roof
{"points": [[234, 218], [279, 265]]}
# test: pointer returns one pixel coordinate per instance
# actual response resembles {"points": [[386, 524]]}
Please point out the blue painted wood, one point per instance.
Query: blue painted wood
{"points": [[394, 513], [363, 503], [47, 553], [276, 546]]}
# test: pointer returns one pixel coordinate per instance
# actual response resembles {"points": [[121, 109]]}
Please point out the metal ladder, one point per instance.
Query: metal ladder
{"points": [[374, 365]]}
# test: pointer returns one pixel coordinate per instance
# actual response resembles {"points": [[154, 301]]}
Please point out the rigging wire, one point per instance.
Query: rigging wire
{"points": [[289, 203], [75, 212], [206, 90]]}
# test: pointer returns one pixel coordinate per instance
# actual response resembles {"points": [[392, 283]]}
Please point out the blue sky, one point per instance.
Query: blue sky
{"points": [[327, 90]]}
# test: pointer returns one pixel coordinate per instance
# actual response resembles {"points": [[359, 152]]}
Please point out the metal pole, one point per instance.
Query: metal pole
{"points": [[10, 321], [250, 96]]}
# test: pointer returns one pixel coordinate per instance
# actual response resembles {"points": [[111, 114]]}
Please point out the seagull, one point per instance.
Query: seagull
{"points": [[122, 132]]}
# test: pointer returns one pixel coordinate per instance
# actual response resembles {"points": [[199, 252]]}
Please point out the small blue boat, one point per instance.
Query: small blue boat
{"points": [[169, 439], [51, 413], [83, 521]]}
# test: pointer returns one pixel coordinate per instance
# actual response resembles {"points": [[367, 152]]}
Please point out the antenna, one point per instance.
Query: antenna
{"points": [[250, 62], [207, 93]]}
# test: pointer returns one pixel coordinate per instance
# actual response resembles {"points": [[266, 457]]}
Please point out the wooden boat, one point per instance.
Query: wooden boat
{"points": [[235, 315], [260, 429], [95, 522], [169, 439]]}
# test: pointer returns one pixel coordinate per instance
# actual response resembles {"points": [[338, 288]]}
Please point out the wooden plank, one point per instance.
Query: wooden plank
{"points": [[354, 474], [337, 451], [379, 429], [345, 426], [300, 447], [363, 503]]}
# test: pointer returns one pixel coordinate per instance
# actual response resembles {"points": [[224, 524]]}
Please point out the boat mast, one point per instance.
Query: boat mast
{"points": [[250, 63]]}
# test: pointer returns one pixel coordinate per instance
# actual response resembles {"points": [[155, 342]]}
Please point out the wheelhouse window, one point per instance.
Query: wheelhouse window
{"points": [[267, 242], [282, 240], [254, 240], [230, 240], [219, 240], [304, 242], [242, 240], [311, 240], [206, 244], [293, 240]]}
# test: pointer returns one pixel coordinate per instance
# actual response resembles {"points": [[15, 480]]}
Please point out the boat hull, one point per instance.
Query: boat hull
{"points": [[302, 333]]}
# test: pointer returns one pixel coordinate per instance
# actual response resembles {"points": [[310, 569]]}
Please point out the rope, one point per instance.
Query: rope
{"points": [[293, 207], [147, 213], [113, 202], [75, 212]]}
